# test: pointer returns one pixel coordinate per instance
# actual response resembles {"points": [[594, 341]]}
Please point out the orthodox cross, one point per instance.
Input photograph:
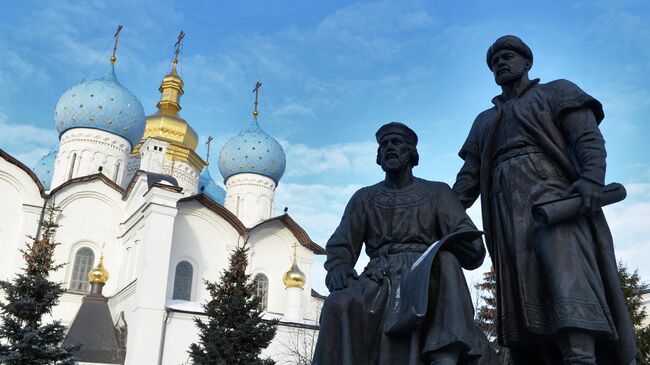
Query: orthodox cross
{"points": [[117, 37], [256, 90], [181, 35], [207, 159], [295, 246]]}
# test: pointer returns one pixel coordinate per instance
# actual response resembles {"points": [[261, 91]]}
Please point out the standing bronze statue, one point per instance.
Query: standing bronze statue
{"points": [[398, 219], [558, 295]]}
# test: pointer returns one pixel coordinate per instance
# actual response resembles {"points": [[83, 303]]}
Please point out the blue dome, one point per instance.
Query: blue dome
{"points": [[45, 168], [101, 104], [252, 151], [208, 187]]}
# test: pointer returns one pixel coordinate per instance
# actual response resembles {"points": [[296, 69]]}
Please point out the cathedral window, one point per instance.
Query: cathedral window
{"points": [[116, 173], [261, 283], [183, 281], [83, 263], [72, 161]]}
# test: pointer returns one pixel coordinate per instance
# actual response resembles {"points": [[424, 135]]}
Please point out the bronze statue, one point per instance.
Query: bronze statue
{"points": [[398, 219], [558, 295]]}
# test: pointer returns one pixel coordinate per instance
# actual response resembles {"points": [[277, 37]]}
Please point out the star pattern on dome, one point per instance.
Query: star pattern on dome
{"points": [[252, 151], [44, 169], [102, 104], [208, 187]]}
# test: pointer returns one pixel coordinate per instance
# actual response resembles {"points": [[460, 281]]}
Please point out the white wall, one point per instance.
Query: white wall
{"points": [[90, 216], [272, 254], [205, 240], [20, 208]]}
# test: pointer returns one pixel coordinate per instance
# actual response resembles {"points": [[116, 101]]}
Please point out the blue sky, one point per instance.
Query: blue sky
{"points": [[333, 72]]}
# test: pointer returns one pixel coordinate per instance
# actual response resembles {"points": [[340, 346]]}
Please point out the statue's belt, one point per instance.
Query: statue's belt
{"points": [[516, 152], [380, 260]]}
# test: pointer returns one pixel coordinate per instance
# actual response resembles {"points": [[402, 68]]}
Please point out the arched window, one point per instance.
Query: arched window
{"points": [[183, 281], [73, 159], [262, 289], [83, 263], [116, 173]]}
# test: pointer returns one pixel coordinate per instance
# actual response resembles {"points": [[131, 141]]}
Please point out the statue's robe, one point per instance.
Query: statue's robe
{"points": [[549, 278], [397, 226]]}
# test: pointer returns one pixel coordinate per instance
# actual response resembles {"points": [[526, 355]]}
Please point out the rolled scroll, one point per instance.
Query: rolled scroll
{"points": [[563, 209]]}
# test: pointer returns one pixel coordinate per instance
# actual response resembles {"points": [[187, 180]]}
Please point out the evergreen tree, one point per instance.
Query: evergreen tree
{"points": [[24, 339], [487, 312], [633, 291], [234, 333]]}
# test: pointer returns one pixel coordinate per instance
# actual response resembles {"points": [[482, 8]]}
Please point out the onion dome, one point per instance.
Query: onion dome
{"points": [[208, 187], [101, 104], [294, 278], [99, 274], [252, 151], [45, 168]]}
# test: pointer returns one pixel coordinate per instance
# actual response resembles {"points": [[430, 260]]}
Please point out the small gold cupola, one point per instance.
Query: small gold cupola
{"points": [[98, 274], [167, 125], [294, 278]]}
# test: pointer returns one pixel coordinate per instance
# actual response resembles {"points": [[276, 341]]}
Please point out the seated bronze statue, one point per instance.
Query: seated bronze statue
{"points": [[398, 219]]}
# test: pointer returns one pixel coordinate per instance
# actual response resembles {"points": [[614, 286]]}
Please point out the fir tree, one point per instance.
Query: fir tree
{"points": [[487, 312], [633, 291], [24, 338], [234, 333]]}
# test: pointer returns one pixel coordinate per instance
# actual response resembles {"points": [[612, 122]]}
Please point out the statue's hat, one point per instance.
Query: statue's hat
{"points": [[397, 128], [512, 43]]}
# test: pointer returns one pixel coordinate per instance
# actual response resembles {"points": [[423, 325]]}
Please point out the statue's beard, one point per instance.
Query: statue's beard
{"points": [[393, 165], [508, 76]]}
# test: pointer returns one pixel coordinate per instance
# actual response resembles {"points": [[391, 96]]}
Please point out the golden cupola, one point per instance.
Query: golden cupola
{"points": [[294, 278], [167, 125], [98, 274]]}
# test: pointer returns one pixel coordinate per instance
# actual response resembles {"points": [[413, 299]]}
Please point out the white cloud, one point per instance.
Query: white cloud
{"points": [[26, 142], [628, 221], [338, 159]]}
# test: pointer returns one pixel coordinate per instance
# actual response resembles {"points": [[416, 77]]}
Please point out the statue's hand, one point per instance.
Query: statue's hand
{"points": [[375, 274], [591, 194], [339, 278]]}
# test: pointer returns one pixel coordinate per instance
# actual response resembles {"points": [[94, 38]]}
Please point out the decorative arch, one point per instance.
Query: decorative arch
{"points": [[101, 196], [183, 275], [83, 261], [261, 282]]}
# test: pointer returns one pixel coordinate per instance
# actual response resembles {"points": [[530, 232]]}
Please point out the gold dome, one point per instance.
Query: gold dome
{"points": [[167, 125], [99, 273], [294, 278]]}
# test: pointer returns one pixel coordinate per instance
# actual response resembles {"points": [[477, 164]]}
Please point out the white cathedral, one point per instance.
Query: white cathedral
{"points": [[138, 202]]}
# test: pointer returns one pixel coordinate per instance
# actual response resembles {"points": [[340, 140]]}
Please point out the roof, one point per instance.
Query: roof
{"points": [[93, 329], [153, 180], [207, 202], [87, 178], [298, 232], [316, 294], [12, 160]]}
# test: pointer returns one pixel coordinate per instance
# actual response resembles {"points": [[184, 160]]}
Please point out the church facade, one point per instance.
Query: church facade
{"points": [[132, 190]]}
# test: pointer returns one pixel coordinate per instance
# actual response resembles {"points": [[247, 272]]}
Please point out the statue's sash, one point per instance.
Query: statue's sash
{"points": [[413, 294]]}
